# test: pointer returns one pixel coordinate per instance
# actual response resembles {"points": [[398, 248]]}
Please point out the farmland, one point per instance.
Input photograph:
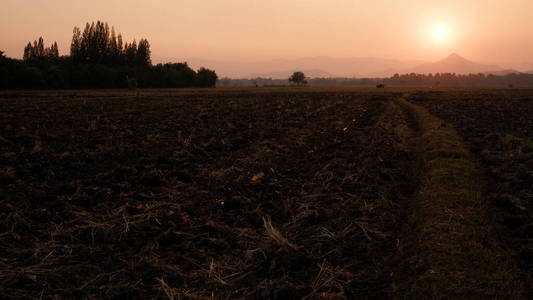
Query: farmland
{"points": [[280, 193], [498, 126]]}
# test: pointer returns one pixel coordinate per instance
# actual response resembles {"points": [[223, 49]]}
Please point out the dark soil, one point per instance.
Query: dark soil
{"points": [[482, 111], [200, 195]]}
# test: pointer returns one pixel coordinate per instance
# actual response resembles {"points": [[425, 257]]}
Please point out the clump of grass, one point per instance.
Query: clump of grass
{"points": [[38, 146], [448, 249], [277, 237]]}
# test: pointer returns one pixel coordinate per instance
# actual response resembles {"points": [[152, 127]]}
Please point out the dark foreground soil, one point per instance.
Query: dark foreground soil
{"points": [[200, 195], [498, 125]]}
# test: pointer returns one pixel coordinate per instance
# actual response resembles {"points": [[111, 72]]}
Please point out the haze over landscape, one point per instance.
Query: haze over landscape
{"points": [[258, 38], [266, 150]]}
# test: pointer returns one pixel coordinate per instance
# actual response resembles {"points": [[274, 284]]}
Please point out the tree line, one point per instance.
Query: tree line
{"points": [[411, 79], [99, 44], [99, 58], [38, 51]]}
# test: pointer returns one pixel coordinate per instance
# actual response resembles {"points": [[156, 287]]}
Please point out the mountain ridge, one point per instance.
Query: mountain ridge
{"points": [[336, 67], [455, 63], [326, 66]]}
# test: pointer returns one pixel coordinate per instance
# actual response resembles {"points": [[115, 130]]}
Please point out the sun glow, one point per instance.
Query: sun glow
{"points": [[439, 33]]}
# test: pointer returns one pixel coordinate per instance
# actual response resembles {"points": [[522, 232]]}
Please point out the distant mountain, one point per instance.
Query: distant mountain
{"points": [[459, 65], [325, 66], [321, 66], [284, 75]]}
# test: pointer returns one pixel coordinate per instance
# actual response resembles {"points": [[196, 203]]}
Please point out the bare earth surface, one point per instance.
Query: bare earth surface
{"points": [[278, 195], [234, 193]]}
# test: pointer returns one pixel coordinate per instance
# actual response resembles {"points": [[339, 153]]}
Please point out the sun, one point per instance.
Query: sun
{"points": [[439, 33]]}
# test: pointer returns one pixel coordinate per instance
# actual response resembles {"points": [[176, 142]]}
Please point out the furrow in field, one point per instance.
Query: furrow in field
{"points": [[497, 126], [449, 249]]}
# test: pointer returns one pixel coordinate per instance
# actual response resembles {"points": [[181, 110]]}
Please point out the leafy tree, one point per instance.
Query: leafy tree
{"points": [[113, 51], [30, 78], [143, 53], [176, 75], [4, 72], [100, 45], [206, 78], [120, 45], [298, 78], [84, 44], [55, 77], [130, 51], [53, 51], [98, 59], [28, 52], [37, 51], [39, 48], [75, 45]]}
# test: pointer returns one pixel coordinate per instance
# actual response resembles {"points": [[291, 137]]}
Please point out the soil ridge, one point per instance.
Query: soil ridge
{"points": [[447, 250]]}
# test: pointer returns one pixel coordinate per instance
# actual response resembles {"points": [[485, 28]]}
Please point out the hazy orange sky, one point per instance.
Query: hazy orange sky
{"points": [[488, 31]]}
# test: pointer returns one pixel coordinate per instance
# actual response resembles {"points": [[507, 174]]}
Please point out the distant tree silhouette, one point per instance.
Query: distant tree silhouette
{"points": [[53, 51], [98, 44], [113, 51], [411, 79], [120, 46], [38, 48], [298, 78], [28, 52], [75, 45], [131, 53], [142, 57], [3, 60], [4, 71], [37, 51], [206, 78], [98, 59]]}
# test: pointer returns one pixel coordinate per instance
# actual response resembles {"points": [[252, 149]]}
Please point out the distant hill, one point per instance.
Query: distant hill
{"points": [[323, 66], [459, 65]]}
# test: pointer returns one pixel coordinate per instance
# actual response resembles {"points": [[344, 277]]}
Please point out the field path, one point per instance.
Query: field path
{"points": [[449, 250]]}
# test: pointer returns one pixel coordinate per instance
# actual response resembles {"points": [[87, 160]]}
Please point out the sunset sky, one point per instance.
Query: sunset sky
{"points": [[487, 31]]}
